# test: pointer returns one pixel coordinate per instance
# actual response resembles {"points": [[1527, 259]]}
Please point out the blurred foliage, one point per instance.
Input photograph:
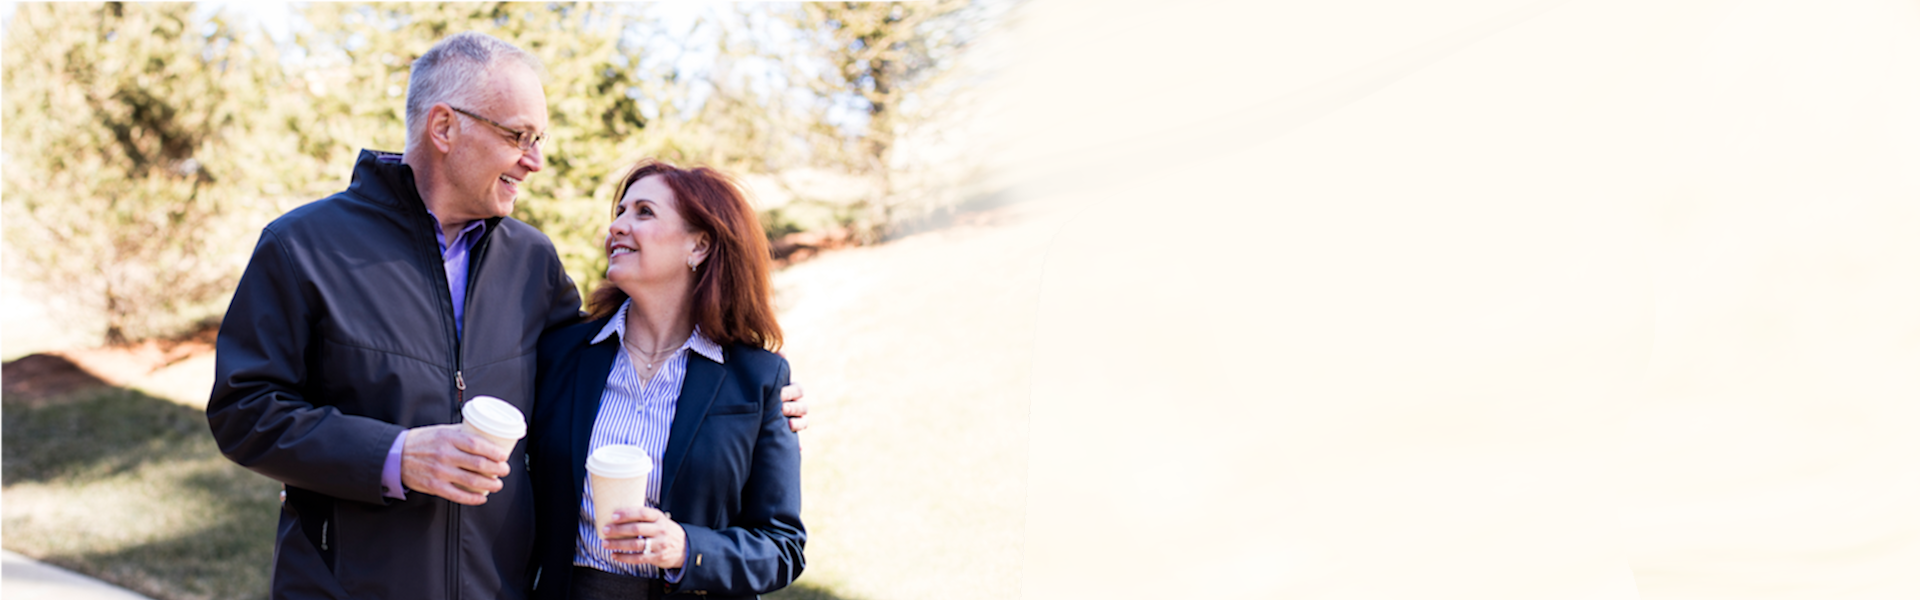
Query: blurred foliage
{"points": [[135, 132], [147, 143], [359, 56], [891, 61]]}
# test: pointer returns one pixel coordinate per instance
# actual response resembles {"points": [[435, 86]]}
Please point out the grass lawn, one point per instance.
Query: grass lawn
{"points": [[130, 489]]}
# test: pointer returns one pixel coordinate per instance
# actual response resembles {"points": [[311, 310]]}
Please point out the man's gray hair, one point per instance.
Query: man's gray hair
{"points": [[453, 71]]}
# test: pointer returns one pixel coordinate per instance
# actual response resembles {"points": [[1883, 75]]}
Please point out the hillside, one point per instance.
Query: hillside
{"points": [[914, 355]]}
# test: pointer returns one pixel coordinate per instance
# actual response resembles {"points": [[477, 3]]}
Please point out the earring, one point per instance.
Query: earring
{"points": [[692, 262]]}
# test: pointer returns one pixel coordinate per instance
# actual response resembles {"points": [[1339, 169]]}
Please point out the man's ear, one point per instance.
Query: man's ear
{"points": [[440, 127]]}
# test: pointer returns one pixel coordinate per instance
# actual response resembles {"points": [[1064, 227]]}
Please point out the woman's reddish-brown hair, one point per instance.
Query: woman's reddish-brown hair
{"points": [[733, 287]]}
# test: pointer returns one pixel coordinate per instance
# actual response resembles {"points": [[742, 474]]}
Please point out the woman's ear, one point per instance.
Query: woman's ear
{"points": [[697, 249]]}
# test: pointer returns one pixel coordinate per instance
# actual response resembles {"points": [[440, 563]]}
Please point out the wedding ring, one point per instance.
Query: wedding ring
{"points": [[647, 546]]}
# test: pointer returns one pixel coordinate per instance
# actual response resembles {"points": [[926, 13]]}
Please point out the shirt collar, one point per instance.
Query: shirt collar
{"points": [[698, 342], [441, 234]]}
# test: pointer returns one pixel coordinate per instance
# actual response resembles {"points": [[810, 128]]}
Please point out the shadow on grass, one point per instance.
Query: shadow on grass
{"points": [[805, 591], [109, 440], [224, 550], [230, 559], [96, 432]]}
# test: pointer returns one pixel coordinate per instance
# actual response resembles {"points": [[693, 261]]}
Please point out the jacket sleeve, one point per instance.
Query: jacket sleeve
{"points": [[761, 551], [565, 308], [258, 414]]}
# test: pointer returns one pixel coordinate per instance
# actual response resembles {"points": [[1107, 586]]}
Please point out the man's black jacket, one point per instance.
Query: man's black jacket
{"points": [[341, 335]]}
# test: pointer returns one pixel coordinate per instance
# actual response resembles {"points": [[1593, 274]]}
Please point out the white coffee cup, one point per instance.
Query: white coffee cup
{"points": [[618, 474], [495, 420]]}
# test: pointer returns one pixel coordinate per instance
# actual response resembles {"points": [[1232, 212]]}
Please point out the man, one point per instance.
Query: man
{"points": [[365, 320]]}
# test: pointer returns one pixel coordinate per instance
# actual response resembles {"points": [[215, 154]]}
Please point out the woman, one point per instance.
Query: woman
{"points": [[675, 360]]}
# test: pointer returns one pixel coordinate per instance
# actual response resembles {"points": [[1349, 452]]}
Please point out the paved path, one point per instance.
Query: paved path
{"points": [[24, 578]]}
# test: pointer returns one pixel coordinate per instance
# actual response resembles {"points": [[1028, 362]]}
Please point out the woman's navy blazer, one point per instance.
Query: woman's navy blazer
{"points": [[730, 475]]}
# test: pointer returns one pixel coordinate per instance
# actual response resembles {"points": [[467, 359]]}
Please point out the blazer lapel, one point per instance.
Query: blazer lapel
{"points": [[596, 363], [697, 391]]}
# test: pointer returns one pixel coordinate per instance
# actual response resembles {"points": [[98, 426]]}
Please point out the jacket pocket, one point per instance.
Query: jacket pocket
{"points": [[734, 409], [316, 521]]}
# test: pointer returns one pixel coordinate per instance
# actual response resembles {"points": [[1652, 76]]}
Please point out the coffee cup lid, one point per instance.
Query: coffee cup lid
{"points": [[495, 416], [619, 461]]}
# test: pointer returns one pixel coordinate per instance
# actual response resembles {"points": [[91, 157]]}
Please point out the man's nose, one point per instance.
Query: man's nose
{"points": [[531, 159]]}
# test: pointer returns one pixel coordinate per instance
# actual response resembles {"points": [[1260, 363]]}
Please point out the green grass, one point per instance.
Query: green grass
{"points": [[130, 489]]}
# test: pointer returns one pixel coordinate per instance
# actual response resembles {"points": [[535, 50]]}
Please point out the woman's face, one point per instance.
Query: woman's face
{"points": [[649, 244]]}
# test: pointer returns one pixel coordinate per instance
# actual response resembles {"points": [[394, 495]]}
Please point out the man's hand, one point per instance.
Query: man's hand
{"points": [[446, 461], [793, 408]]}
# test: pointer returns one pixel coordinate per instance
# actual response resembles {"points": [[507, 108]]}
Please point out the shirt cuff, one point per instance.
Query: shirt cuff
{"points": [[390, 474], [672, 575]]}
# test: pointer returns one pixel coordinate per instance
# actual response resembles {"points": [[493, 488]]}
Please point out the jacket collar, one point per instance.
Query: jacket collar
{"points": [[697, 393], [590, 381], [383, 178]]}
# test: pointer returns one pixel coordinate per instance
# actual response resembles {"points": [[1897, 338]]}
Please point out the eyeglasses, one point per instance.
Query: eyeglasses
{"points": [[527, 140]]}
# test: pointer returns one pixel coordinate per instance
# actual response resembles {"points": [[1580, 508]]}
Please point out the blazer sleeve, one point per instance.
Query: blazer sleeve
{"points": [[257, 412], [761, 551]]}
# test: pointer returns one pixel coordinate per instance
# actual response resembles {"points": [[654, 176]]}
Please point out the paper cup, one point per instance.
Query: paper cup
{"points": [[495, 420], [618, 474]]}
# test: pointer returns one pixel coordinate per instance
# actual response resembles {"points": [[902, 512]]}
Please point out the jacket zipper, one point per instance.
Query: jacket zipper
{"points": [[460, 390], [459, 398], [454, 549], [475, 255]]}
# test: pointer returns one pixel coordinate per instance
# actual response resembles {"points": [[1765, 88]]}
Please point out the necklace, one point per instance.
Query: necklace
{"points": [[652, 357]]}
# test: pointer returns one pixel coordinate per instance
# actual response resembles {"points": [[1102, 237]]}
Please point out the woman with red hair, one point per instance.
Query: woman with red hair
{"points": [[676, 360]]}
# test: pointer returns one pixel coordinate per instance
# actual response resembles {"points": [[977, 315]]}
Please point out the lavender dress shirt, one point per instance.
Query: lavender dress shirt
{"points": [[453, 257]]}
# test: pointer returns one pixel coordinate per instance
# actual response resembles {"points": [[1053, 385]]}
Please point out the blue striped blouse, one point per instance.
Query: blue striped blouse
{"points": [[639, 414]]}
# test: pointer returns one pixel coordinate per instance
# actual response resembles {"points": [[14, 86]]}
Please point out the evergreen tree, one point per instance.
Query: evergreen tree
{"points": [[137, 140]]}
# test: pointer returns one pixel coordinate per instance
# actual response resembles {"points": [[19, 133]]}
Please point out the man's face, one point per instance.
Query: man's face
{"points": [[485, 164]]}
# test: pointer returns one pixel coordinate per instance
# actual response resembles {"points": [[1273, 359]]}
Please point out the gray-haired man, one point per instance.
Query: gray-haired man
{"points": [[365, 320]]}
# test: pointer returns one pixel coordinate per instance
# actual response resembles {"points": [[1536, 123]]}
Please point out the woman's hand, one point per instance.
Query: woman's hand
{"points": [[645, 536]]}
